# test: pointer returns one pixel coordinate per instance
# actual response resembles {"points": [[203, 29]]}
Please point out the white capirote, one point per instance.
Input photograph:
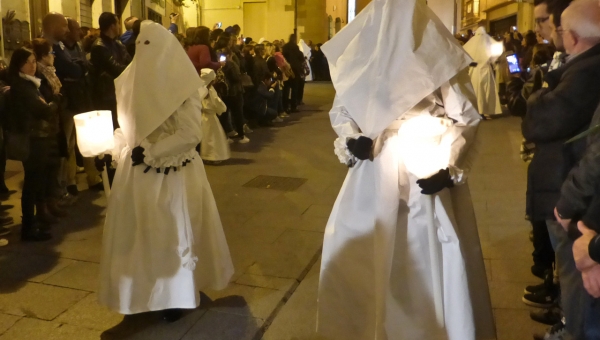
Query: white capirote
{"points": [[480, 48]]}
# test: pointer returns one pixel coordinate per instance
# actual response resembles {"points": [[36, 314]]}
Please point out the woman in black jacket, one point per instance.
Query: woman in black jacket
{"points": [[36, 117]]}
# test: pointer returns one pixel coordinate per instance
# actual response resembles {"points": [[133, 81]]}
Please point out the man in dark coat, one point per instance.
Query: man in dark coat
{"points": [[295, 58], [109, 58], [555, 114]]}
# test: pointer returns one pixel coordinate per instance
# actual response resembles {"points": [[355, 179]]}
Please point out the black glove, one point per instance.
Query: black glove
{"points": [[137, 155], [100, 162], [436, 183], [361, 147]]}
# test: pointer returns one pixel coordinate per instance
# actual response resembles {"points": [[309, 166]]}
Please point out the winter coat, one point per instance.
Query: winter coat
{"points": [[28, 112], [555, 114], [109, 58]]}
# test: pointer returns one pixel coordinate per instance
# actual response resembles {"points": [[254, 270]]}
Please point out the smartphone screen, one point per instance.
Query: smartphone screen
{"points": [[513, 63], [220, 24], [223, 58]]}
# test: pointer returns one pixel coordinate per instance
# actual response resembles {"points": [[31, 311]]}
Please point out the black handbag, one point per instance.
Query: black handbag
{"points": [[17, 146]]}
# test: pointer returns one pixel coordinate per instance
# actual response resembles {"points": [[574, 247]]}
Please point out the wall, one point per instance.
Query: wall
{"points": [[21, 7], [337, 9], [229, 12], [312, 21], [444, 9]]}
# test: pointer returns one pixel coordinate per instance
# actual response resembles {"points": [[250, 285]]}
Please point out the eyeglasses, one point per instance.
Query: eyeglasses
{"points": [[539, 21]]}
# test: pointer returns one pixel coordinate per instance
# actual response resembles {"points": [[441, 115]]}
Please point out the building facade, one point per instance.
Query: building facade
{"points": [[498, 16]]}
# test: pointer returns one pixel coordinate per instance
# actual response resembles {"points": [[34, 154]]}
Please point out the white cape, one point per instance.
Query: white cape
{"points": [[305, 49], [376, 281], [214, 145], [482, 76], [163, 238]]}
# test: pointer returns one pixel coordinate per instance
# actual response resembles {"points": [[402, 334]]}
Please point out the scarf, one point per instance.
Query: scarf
{"points": [[49, 73]]}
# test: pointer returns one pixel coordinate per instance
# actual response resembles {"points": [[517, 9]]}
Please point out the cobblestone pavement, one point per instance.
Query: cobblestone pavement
{"points": [[48, 290]]}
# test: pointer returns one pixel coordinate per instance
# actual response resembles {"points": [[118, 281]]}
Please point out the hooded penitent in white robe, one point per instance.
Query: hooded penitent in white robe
{"points": [[480, 48], [305, 49], [396, 61], [163, 239], [214, 145]]}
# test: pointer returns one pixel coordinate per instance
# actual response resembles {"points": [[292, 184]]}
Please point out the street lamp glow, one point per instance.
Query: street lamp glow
{"points": [[94, 133]]}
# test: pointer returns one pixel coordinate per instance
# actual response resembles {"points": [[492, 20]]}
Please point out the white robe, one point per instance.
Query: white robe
{"points": [[376, 272], [482, 76], [159, 227], [305, 49], [214, 145]]}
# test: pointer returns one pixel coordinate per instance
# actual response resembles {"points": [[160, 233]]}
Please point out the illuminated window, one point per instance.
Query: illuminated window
{"points": [[351, 10], [476, 7]]}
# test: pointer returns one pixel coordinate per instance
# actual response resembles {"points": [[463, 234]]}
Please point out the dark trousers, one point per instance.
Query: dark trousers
{"points": [[301, 83], [290, 94], [41, 175], [235, 104], [543, 254], [225, 120]]}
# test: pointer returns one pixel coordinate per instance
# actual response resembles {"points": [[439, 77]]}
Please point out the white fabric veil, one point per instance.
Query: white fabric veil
{"points": [[390, 57], [160, 78], [479, 47]]}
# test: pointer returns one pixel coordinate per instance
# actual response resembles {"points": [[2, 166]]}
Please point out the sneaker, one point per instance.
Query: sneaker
{"points": [[544, 298], [243, 140], [232, 134], [247, 129], [550, 316], [556, 332], [534, 289], [229, 140], [278, 120], [284, 115]]}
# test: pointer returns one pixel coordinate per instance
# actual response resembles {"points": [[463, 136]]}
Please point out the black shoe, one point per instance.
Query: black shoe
{"points": [[534, 289], [544, 298], [172, 315], [550, 316], [97, 187], [4, 231], [4, 221], [35, 235]]}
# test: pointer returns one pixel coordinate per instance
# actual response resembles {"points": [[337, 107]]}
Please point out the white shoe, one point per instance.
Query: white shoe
{"points": [[247, 129], [232, 134], [278, 120], [229, 140], [284, 115], [243, 140]]}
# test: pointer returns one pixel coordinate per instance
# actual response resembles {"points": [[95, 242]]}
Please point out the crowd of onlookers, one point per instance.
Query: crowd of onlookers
{"points": [[71, 69], [557, 94]]}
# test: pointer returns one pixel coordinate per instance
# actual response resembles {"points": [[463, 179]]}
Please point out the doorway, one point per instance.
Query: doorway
{"points": [[38, 10], [499, 27], [255, 20]]}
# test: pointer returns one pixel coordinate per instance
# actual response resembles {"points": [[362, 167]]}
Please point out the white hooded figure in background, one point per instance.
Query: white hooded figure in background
{"points": [[305, 49], [393, 67], [214, 147], [482, 49], [163, 239]]}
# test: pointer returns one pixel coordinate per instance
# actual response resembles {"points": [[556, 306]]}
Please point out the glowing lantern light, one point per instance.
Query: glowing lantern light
{"points": [[425, 152], [95, 137], [497, 49]]}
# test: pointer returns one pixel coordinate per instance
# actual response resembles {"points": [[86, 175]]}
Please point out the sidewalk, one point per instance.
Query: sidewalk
{"points": [[48, 290]]}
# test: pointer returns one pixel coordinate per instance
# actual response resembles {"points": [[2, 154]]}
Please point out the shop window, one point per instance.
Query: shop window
{"points": [[154, 16]]}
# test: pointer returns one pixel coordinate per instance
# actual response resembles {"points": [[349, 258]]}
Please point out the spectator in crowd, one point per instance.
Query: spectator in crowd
{"points": [[173, 26], [77, 92], [214, 36], [295, 58], [55, 28], [4, 93], [131, 44], [258, 102], [201, 53], [527, 52], [125, 37], [234, 98], [277, 102], [260, 65], [89, 39], [35, 118], [555, 114], [109, 58]]}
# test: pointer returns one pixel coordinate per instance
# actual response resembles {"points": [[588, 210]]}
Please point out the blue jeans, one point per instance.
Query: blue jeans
{"points": [[582, 311]]}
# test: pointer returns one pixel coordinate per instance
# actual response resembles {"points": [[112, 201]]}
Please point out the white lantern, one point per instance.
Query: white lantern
{"points": [[497, 49], [425, 152], [95, 137], [94, 133]]}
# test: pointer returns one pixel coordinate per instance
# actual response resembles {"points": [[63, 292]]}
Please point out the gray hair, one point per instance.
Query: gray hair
{"points": [[582, 17]]}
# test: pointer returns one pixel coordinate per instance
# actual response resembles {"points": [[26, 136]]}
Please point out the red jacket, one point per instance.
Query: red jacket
{"points": [[200, 57]]}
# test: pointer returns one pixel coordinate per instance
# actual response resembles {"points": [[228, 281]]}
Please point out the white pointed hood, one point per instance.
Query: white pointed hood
{"points": [[160, 78], [480, 46], [390, 57], [305, 48]]}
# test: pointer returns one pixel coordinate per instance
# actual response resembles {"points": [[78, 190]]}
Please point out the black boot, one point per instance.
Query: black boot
{"points": [[172, 315]]}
